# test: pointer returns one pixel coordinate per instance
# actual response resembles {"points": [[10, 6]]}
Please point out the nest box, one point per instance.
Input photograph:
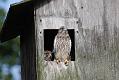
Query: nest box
{"points": [[93, 29]]}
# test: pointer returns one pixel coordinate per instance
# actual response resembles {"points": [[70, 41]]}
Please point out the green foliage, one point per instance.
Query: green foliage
{"points": [[3, 0], [2, 16], [7, 77], [9, 51]]}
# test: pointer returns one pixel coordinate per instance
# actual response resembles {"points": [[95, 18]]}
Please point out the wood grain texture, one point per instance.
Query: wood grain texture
{"points": [[28, 52], [96, 38]]}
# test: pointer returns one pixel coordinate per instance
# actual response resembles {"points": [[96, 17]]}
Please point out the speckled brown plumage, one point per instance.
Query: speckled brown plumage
{"points": [[62, 46]]}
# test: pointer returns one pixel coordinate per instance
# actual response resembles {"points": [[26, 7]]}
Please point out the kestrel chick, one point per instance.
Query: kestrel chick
{"points": [[62, 46], [47, 55]]}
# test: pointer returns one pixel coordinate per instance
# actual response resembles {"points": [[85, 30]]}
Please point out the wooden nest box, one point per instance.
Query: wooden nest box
{"points": [[93, 27]]}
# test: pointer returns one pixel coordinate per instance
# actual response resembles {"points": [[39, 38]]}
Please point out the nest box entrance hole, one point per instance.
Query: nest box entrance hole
{"points": [[49, 35]]}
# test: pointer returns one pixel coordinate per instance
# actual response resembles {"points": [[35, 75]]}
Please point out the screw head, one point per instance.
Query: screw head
{"points": [[81, 7], [85, 56], [40, 20], [77, 22]]}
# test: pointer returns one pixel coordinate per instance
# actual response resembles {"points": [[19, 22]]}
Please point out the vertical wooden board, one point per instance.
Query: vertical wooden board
{"points": [[99, 37], [50, 70], [28, 54], [89, 12]]}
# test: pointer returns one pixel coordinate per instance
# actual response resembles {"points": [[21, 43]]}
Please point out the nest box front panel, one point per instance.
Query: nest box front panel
{"points": [[56, 44]]}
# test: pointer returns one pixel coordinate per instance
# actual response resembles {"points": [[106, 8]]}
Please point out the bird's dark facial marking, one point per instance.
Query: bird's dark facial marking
{"points": [[62, 28], [68, 37]]}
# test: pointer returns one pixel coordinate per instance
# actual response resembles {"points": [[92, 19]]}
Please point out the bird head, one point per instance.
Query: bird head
{"points": [[63, 32], [62, 29]]}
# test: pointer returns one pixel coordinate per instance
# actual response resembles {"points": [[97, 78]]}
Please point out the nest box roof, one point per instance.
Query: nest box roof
{"points": [[19, 17]]}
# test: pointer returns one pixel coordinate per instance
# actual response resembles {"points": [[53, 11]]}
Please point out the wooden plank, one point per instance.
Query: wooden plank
{"points": [[97, 37], [28, 53], [51, 67], [57, 22]]}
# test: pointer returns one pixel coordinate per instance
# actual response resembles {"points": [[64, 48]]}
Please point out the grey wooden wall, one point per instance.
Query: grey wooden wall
{"points": [[96, 24]]}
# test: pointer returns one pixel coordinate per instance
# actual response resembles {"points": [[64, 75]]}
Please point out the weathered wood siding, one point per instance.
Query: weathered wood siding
{"points": [[96, 38]]}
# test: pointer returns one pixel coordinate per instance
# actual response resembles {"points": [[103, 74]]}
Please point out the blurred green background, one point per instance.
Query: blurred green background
{"points": [[10, 50]]}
